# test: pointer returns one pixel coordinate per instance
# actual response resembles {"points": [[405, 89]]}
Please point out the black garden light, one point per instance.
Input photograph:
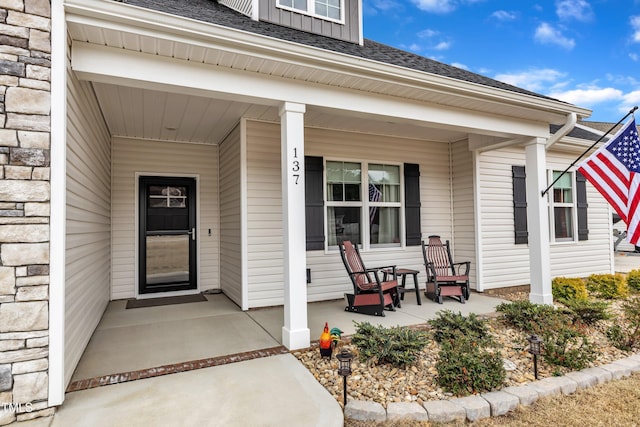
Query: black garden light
{"points": [[344, 369], [534, 348]]}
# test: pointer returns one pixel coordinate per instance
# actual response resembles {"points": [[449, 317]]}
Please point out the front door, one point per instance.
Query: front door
{"points": [[167, 240]]}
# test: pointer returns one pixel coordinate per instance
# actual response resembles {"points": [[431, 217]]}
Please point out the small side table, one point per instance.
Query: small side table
{"points": [[404, 272]]}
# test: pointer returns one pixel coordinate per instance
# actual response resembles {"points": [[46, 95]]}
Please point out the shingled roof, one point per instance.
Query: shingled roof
{"points": [[212, 12]]}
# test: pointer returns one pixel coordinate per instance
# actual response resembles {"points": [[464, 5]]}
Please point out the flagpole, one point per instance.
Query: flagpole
{"points": [[588, 149]]}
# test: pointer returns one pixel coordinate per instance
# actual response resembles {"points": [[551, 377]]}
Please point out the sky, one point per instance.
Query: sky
{"points": [[585, 52]]}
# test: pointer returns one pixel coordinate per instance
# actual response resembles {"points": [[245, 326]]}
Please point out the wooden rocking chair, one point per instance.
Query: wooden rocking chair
{"points": [[444, 277], [370, 295]]}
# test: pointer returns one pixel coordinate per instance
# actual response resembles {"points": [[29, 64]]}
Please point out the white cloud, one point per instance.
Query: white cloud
{"points": [[589, 96], [503, 15], [632, 98], [459, 65], [635, 25], [634, 57], [435, 6], [441, 6], [426, 34], [546, 34], [434, 40], [534, 80], [442, 46], [580, 10], [386, 4]]}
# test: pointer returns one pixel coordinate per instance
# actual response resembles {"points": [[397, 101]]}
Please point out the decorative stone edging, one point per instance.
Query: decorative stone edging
{"points": [[494, 403], [124, 377]]}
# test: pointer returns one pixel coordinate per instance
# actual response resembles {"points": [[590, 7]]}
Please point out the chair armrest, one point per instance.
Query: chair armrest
{"points": [[460, 266]]}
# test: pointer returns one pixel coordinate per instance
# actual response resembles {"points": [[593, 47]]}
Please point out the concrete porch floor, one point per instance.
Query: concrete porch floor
{"points": [[234, 394]]}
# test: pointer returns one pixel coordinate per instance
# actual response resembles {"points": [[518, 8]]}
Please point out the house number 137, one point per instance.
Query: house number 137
{"points": [[295, 168]]}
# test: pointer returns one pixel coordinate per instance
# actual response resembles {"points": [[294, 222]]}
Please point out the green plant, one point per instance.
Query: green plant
{"points": [[633, 279], [569, 289], [398, 346], [568, 347], [608, 286], [588, 312], [465, 367], [447, 324], [532, 318], [627, 338]]}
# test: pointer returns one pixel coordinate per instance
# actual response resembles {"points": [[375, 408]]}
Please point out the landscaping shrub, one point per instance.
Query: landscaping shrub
{"points": [[569, 289], [398, 346], [627, 338], [608, 286], [465, 367], [633, 279], [532, 318], [568, 347], [588, 312], [448, 324]]}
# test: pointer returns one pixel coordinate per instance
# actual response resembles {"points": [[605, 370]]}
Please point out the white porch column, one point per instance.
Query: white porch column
{"points": [[295, 333], [538, 222]]}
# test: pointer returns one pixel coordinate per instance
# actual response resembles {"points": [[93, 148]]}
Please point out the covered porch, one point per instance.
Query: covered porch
{"points": [[131, 344], [162, 103]]}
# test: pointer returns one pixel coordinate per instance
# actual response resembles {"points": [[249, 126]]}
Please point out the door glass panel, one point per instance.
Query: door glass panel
{"points": [[167, 259], [167, 196]]}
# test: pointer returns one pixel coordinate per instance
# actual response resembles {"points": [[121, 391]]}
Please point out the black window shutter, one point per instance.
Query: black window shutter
{"points": [[581, 201], [314, 205], [520, 204], [412, 204]]}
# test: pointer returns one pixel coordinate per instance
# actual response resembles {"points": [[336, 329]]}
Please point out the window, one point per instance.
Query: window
{"points": [[328, 9], [561, 207], [363, 204], [567, 206]]}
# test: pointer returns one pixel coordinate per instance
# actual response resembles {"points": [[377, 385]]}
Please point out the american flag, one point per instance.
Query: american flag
{"points": [[374, 196], [614, 170]]}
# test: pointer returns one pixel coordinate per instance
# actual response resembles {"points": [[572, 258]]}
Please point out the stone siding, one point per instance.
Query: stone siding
{"points": [[25, 106]]}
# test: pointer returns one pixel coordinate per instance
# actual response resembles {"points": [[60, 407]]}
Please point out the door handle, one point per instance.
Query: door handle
{"points": [[192, 233]]}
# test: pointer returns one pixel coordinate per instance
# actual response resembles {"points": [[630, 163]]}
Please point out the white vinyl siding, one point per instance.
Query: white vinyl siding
{"points": [[464, 243], [507, 264], [131, 156], [88, 220], [592, 256], [230, 217], [264, 204]]}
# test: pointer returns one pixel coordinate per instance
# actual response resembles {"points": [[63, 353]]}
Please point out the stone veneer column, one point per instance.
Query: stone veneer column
{"points": [[25, 106]]}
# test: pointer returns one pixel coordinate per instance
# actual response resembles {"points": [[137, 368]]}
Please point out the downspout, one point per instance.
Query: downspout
{"points": [[572, 118]]}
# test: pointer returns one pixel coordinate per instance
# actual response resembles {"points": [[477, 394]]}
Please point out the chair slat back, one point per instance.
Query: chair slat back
{"points": [[354, 264], [438, 254]]}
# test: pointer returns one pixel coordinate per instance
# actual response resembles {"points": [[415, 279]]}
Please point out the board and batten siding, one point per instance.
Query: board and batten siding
{"points": [[132, 156], [507, 264], [349, 31], [464, 242], [264, 207], [230, 217], [88, 220]]}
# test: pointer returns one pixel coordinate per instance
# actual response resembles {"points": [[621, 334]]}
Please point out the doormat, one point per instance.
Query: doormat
{"points": [[154, 302]]}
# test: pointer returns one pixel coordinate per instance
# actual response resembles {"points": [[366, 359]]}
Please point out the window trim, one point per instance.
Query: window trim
{"points": [[573, 205], [364, 205], [311, 11]]}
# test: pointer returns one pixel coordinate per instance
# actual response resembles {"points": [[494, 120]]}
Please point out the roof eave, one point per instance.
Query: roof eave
{"points": [[132, 18]]}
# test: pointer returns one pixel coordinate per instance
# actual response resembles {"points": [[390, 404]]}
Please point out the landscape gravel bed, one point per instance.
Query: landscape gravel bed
{"points": [[417, 382]]}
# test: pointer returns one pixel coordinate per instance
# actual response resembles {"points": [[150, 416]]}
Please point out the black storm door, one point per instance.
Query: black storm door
{"points": [[167, 240]]}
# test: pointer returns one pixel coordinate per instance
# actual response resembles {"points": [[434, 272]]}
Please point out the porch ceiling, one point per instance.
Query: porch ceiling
{"points": [[167, 116]]}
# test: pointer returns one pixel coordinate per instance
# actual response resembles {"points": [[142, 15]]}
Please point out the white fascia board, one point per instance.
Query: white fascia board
{"points": [[133, 19], [117, 66]]}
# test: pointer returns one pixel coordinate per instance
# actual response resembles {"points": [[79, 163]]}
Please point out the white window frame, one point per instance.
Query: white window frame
{"points": [[311, 11], [364, 205], [573, 205]]}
